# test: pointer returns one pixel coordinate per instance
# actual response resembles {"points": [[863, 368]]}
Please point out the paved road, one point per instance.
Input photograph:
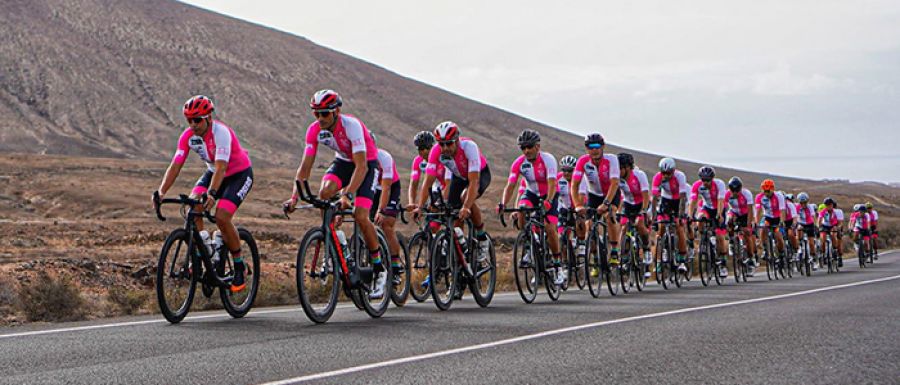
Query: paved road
{"points": [[837, 329]]}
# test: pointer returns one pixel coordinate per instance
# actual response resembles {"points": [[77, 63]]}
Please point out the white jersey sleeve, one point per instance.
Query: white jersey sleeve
{"points": [[354, 131], [386, 161], [472, 155], [222, 138]]}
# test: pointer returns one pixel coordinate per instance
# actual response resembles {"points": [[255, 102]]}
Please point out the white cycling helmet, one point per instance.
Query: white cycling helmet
{"points": [[803, 197], [568, 161], [666, 164]]}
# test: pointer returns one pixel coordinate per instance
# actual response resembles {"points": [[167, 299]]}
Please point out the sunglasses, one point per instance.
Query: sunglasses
{"points": [[706, 180], [566, 169], [445, 143], [527, 146], [424, 148], [594, 146], [323, 113], [197, 120]]}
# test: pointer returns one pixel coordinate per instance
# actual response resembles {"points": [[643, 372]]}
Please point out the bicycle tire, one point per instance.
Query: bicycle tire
{"points": [[443, 269], [177, 315], [419, 265], [253, 272], [592, 264], [316, 238], [525, 273], [483, 299], [400, 293], [704, 263], [377, 309]]}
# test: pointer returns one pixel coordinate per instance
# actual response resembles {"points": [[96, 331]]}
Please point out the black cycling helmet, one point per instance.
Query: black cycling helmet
{"points": [[706, 173], [829, 201], [735, 184], [424, 139], [626, 160], [593, 138], [528, 138]]}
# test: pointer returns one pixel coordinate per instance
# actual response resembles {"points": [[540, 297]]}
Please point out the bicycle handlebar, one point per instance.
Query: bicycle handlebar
{"points": [[182, 199]]}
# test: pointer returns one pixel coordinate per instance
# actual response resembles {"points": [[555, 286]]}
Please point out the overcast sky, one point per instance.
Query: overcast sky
{"points": [[800, 88]]}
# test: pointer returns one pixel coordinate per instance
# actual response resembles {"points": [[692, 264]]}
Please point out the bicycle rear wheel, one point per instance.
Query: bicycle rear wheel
{"points": [[175, 286], [317, 277], [375, 307], [237, 304], [704, 263], [524, 268], [627, 256], [485, 281], [444, 271], [418, 267]]}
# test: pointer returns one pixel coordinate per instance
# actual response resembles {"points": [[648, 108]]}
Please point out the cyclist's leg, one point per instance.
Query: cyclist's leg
{"points": [[336, 177], [233, 192], [613, 226], [779, 240], [362, 207], [484, 180], [389, 214], [200, 188]]}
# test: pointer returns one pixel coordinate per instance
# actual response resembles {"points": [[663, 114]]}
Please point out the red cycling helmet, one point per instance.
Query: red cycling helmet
{"points": [[446, 131], [198, 106], [325, 100]]}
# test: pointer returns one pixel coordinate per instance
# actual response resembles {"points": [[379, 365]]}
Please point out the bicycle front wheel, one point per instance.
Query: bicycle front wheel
{"points": [[400, 286], [593, 276], [175, 285], [237, 304], [444, 271], [317, 277], [418, 268], [524, 267], [375, 307]]}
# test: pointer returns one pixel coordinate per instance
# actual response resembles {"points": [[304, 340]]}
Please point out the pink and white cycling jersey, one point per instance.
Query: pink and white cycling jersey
{"points": [[418, 167], [670, 188], [348, 137], [711, 196], [564, 189], [859, 221], [468, 157], [632, 188], [839, 214], [739, 204], [387, 168], [829, 218], [771, 206], [806, 215], [790, 211], [599, 176], [535, 174], [218, 143], [874, 215]]}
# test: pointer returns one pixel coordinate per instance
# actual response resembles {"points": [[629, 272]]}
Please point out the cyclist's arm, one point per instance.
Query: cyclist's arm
{"points": [[508, 191], [575, 190], [385, 193], [645, 203], [472, 191], [359, 172], [613, 189], [169, 179], [303, 171], [551, 188], [682, 202], [423, 190], [413, 188], [218, 175]]}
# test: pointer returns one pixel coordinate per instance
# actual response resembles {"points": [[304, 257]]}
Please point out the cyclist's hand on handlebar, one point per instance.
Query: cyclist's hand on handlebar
{"points": [[345, 202], [289, 205], [500, 207], [579, 210], [416, 212], [210, 203], [464, 213], [156, 198]]}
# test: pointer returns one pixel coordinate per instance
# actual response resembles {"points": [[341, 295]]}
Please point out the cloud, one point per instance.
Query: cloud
{"points": [[781, 81]]}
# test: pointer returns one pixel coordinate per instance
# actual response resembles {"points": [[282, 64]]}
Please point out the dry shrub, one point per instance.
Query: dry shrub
{"points": [[48, 298], [128, 301], [276, 289]]}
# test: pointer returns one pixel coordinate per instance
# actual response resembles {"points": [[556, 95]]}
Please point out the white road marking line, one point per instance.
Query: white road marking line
{"points": [[398, 361]]}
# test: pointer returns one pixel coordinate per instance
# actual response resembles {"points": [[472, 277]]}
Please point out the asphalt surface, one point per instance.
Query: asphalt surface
{"points": [[840, 328]]}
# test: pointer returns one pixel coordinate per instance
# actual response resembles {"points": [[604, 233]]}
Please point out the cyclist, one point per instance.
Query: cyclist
{"points": [[389, 203], [602, 174], [464, 160], [352, 172], [739, 200], [671, 188], [566, 204], [770, 204], [789, 214], [861, 223], [828, 223], [712, 191], [537, 169], [806, 219], [424, 141], [839, 214], [874, 227], [636, 199], [228, 177]]}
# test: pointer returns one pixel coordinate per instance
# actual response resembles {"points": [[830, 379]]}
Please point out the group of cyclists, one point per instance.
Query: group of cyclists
{"points": [[572, 192]]}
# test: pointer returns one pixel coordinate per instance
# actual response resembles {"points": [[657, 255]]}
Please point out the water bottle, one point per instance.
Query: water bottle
{"points": [[207, 240], [461, 237], [342, 238], [218, 242]]}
